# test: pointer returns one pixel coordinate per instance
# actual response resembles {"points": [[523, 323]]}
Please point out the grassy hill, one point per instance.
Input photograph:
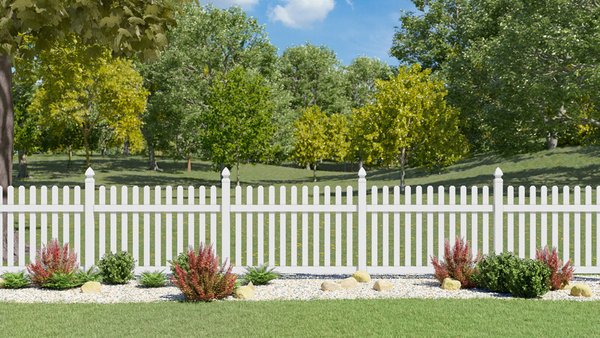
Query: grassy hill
{"points": [[564, 166]]}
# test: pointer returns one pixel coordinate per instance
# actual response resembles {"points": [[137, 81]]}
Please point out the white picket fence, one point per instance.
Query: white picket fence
{"points": [[327, 232]]}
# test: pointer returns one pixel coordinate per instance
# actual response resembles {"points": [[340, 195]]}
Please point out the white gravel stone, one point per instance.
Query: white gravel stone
{"points": [[290, 288]]}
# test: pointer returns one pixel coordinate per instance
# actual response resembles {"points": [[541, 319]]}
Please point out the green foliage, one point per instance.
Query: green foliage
{"points": [[314, 77], [238, 123], [259, 275], [560, 275], [530, 279], [14, 280], [408, 119], [95, 94], [494, 271], [318, 137], [360, 79], [182, 260], [116, 268], [153, 279]]}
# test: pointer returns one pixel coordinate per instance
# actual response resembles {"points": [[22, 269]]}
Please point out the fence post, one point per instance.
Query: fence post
{"points": [[88, 215], [225, 213], [362, 219], [498, 211]]}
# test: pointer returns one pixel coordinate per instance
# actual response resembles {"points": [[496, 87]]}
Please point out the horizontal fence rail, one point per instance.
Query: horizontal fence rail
{"points": [[317, 230]]}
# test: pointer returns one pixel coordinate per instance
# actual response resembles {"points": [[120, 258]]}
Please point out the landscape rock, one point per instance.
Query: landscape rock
{"points": [[330, 286], [361, 276], [250, 285], [349, 283], [581, 290], [244, 292], [382, 285], [450, 284], [567, 287], [91, 287]]}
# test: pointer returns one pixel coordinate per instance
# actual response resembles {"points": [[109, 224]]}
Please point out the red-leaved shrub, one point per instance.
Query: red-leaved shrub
{"points": [[458, 263], [205, 280], [560, 276], [52, 259]]}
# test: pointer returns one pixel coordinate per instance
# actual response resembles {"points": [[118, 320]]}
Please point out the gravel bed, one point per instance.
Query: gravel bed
{"points": [[297, 287]]}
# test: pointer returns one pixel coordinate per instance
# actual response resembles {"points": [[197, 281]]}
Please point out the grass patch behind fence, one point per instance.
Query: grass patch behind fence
{"points": [[406, 317]]}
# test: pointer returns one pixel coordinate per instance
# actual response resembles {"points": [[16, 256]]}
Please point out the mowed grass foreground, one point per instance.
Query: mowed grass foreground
{"points": [[408, 317]]}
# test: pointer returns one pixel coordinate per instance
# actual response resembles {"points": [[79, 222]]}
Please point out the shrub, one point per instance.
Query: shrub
{"points": [[182, 260], [153, 279], [559, 276], [494, 271], [260, 275], [116, 268], [531, 279], [205, 280], [52, 259], [14, 280], [458, 264]]}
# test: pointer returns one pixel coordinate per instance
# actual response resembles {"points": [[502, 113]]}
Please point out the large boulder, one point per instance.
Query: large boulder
{"points": [[91, 287], [450, 284], [330, 286], [581, 290], [361, 276], [244, 292], [382, 285], [349, 283]]}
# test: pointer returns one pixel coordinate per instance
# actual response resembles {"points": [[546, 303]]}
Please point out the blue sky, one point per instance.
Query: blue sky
{"points": [[351, 28]]}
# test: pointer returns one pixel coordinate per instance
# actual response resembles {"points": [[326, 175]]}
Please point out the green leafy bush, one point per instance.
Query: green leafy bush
{"points": [[69, 280], [458, 264], [14, 280], [530, 280], [153, 279], [206, 279], [260, 275], [494, 271], [182, 261], [117, 268]]}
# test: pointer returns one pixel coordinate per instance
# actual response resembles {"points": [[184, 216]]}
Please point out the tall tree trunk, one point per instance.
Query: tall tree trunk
{"points": [[152, 164], [23, 173], [402, 168], [189, 164], [6, 137], [126, 151], [86, 144], [314, 172]]}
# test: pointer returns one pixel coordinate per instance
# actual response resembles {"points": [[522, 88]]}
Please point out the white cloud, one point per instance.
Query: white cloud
{"points": [[246, 4], [302, 13]]}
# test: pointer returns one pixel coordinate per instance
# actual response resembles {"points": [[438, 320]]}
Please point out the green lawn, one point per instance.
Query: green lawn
{"points": [[357, 318]]}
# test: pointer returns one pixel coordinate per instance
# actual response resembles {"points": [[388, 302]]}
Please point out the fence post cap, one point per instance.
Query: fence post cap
{"points": [[498, 173], [225, 173], [89, 173], [362, 173]]}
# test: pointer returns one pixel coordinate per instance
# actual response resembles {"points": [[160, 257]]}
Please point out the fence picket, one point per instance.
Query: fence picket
{"points": [[396, 227], [474, 221], [10, 242], [463, 215], [294, 231], [76, 223], [441, 219], [102, 221], [191, 219], [419, 227], [452, 216], [338, 227], [2, 227], [238, 227], [249, 197], [510, 231], [316, 242], [429, 227], [304, 227], [202, 216], [21, 217], [544, 217], [271, 227], [113, 220], [349, 228], [566, 239], [124, 219], [486, 221], [385, 238], [169, 225], [33, 225], [157, 228], [327, 230], [407, 226], [521, 236], [146, 227], [213, 220], [43, 216], [588, 228], [532, 223], [554, 217], [261, 227], [577, 226], [374, 225], [135, 192], [55, 214], [282, 228]]}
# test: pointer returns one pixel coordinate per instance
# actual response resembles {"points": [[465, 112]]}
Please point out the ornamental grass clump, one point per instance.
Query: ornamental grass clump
{"points": [[14, 280], [260, 275], [560, 275], [53, 259], [153, 279], [458, 264], [205, 280]]}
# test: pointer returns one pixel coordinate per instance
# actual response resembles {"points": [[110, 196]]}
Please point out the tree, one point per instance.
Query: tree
{"points": [[409, 118], [206, 42], [521, 74], [129, 27], [89, 92], [319, 137], [360, 79], [314, 76], [238, 122]]}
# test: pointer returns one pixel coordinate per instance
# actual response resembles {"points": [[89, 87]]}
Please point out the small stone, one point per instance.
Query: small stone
{"points": [[362, 276], [91, 287], [330, 286], [250, 285], [349, 283], [244, 292], [382, 285], [581, 290], [450, 284]]}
